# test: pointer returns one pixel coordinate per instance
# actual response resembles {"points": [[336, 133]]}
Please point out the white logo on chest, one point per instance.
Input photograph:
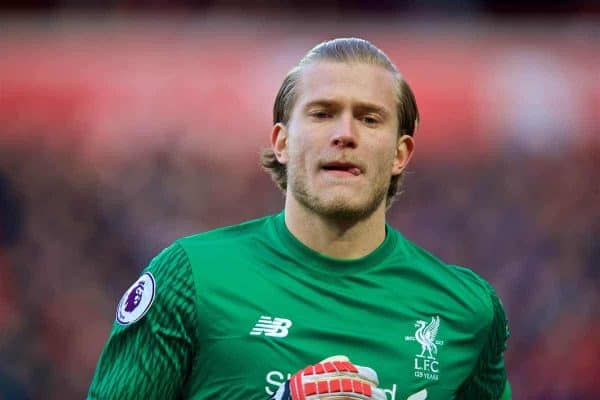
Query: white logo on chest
{"points": [[275, 327], [426, 364]]}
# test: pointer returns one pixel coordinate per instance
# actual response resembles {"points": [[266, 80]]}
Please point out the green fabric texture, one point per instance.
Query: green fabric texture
{"points": [[239, 309], [149, 358], [489, 379]]}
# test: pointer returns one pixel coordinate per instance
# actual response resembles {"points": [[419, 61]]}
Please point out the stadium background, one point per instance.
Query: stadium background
{"points": [[126, 124]]}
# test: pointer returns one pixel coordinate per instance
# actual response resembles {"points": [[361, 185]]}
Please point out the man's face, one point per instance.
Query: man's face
{"points": [[341, 140]]}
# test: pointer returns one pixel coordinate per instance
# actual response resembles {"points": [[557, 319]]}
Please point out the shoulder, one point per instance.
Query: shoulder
{"points": [[484, 297], [165, 284], [456, 277], [245, 231], [176, 256], [172, 263], [451, 284], [223, 253]]}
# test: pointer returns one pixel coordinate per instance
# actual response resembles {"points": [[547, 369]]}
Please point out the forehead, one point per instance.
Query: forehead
{"points": [[351, 83]]}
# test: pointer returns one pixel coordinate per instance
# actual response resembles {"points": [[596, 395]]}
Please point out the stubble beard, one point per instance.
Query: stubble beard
{"points": [[338, 207]]}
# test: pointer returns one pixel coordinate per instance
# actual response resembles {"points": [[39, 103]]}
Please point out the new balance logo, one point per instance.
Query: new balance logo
{"points": [[276, 327]]}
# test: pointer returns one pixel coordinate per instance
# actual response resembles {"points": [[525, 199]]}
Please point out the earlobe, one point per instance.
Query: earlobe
{"points": [[279, 136], [404, 152]]}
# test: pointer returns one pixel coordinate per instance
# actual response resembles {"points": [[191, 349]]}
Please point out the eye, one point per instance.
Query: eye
{"points": [[320, 114], [370, 119]]}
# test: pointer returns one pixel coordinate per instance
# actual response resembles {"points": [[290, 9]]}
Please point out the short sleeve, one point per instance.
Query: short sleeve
{"points": [[149, 355], [489, 380]]}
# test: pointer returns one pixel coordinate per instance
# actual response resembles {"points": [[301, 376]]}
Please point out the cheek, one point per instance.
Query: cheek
{"points": [[384, 156], [300, 151]]}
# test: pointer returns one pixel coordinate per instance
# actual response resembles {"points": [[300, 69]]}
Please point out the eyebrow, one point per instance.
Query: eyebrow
{"points": [[362, 106]]}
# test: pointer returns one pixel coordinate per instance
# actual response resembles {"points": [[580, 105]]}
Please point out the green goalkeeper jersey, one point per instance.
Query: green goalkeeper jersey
{"points": [[231, 313]]}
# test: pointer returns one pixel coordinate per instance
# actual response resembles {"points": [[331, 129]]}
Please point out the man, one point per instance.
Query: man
{"points": [[232, 313]]}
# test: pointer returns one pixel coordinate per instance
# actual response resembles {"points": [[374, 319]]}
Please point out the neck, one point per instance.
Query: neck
{"points": [[335, 237]]}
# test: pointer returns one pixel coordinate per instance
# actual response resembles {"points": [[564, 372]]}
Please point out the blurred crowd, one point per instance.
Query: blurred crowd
{"points": [[74, 234], [442, 7], [101, 173]]}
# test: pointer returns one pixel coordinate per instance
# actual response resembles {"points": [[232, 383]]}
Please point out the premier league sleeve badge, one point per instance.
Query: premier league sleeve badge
{"points": [[136, 300]]}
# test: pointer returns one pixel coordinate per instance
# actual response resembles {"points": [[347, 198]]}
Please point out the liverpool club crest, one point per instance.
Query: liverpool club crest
{"points": [[426, 364]]}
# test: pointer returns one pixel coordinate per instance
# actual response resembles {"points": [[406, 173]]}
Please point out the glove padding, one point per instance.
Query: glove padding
{"points": [[334, 378]]}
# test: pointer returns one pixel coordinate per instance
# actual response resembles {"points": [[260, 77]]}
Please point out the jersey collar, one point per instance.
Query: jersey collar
{"points": [[315, 260]]}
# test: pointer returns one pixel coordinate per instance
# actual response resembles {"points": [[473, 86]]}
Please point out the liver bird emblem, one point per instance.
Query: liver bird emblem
{"points": [[425, 335]]}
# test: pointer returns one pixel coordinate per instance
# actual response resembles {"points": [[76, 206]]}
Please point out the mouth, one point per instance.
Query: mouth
{"points": [[342, 168]]}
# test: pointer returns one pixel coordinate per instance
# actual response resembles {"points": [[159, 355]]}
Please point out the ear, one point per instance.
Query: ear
{"points": [[404, 152], [279, 141]]}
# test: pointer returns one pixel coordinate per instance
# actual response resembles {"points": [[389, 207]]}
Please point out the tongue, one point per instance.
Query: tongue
{"points": [[352, 170]]}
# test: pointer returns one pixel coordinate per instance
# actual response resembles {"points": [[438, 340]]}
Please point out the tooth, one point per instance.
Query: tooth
{"points": [[355, 171]]}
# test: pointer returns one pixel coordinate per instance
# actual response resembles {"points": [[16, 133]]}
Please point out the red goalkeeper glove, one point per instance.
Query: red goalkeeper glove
{"points": [[334, 378]]}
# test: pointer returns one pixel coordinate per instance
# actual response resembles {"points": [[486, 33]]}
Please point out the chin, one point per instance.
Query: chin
{"points": [[339, 204], [342, 208], [350, 214]]}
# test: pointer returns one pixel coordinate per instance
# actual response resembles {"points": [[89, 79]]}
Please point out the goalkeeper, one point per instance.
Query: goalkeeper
{"points": [[232, 313]]}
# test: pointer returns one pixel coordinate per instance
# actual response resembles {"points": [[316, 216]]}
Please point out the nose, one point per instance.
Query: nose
{"points": [[344, 134]]}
